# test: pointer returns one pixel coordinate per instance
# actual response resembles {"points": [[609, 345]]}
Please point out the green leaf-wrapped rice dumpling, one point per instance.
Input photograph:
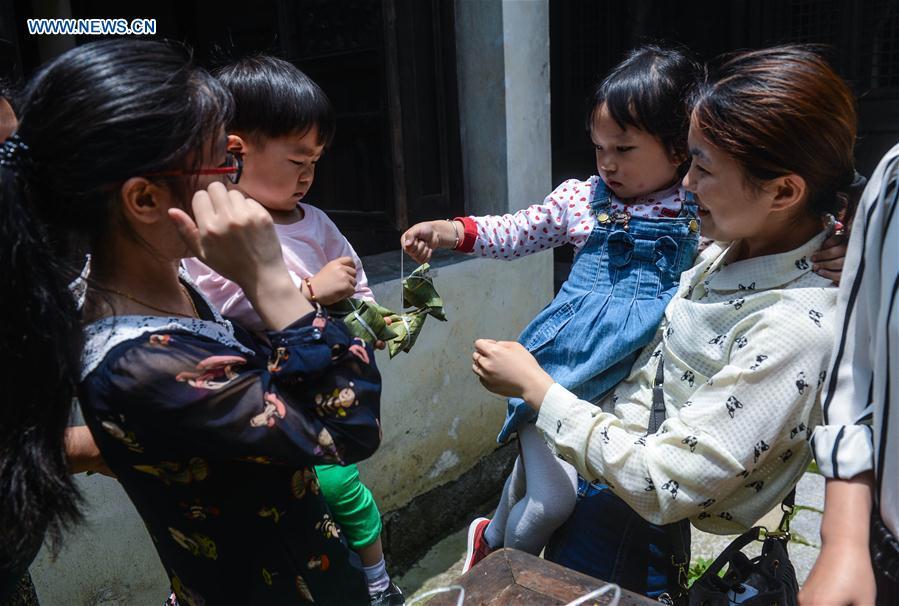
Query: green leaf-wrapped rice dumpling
{"points": [[373, 322]]}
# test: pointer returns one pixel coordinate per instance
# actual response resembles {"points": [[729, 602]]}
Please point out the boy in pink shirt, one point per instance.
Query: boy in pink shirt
{"points": [[282, 123], [313, 248]]}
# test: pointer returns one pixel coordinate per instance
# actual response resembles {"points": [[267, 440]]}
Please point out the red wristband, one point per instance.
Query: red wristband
{"points": [[470, 234]]}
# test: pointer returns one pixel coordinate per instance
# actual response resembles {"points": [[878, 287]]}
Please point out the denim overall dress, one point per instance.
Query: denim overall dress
{"points": [[589, 336]]}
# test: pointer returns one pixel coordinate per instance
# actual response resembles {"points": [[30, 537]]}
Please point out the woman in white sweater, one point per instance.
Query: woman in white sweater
{"points": [[742, 351]]}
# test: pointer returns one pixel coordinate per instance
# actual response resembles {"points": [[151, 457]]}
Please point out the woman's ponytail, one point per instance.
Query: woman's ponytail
{"points": [[41, 344], [92, 118]]}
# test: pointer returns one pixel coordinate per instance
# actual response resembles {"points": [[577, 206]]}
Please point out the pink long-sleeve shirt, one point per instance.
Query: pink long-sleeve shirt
{"points": [[307, 245], [564, 217]]}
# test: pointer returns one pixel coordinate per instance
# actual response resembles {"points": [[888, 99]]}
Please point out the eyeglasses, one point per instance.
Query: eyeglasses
{"points": [[232, 168]]}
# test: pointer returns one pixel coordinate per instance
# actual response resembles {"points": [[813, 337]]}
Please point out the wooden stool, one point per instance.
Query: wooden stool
{"points": [[508, 577]]}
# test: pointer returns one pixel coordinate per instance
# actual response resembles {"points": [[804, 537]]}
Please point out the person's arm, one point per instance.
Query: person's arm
{"points": [[82, 453], [842, 573], [562, 218], [315, 400], [844, 443], [737, 421]]}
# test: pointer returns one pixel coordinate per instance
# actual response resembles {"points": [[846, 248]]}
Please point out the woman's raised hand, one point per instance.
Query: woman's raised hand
{"points": [[235, 236], [231, 234]]}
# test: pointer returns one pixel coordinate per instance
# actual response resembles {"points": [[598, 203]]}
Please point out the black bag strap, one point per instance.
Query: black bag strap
{"points": [[790, 500], [657, 414], [712, 572], [680, 548]]}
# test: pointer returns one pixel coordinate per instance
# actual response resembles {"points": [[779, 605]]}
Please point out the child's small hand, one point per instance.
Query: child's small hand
{"points": [[508, 369], [420, 240], [335, 282], [828, 261]]}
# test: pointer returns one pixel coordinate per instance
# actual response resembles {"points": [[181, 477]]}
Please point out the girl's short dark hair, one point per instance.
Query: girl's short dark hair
{"points": [[651, 90], [273, 98]]}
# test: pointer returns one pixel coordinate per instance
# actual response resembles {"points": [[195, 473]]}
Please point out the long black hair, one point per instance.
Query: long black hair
{"points": [[89, 120]]}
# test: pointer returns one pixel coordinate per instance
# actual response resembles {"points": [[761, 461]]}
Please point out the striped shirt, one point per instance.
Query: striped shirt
{"points": [[859, 433]]}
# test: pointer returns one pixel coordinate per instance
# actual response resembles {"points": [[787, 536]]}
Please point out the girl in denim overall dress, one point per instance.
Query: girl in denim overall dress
{"points": [[635, 231]]}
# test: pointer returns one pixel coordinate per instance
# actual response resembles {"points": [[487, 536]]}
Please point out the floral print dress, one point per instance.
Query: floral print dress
{"points": [[213, 435]]}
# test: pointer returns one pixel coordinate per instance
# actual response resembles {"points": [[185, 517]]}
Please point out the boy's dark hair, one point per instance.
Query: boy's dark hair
{"points": [[651, 90], [273, 98]]}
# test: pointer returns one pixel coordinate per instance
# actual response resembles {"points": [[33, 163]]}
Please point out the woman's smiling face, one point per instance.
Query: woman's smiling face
{"points": [[729, 206]]}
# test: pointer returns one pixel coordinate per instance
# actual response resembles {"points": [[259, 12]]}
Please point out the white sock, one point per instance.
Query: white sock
{"points": [[377, 577]]}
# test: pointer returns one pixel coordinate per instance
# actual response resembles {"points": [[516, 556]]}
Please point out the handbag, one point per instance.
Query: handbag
{"points": [[733, 578], [884, 548]]}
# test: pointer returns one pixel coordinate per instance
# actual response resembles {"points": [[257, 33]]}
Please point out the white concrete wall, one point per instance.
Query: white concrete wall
{"points": [[437, 419], [440, 423], [528, 141]]}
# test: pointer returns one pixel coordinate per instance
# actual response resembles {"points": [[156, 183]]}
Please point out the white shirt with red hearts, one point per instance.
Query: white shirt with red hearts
{"points": [[564, 217]]}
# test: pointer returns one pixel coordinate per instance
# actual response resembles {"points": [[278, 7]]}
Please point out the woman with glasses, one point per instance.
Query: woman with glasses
{"points": [[211, 432]]}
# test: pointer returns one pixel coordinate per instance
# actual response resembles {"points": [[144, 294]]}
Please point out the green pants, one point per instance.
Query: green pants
{"points": [[351, 502]]}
